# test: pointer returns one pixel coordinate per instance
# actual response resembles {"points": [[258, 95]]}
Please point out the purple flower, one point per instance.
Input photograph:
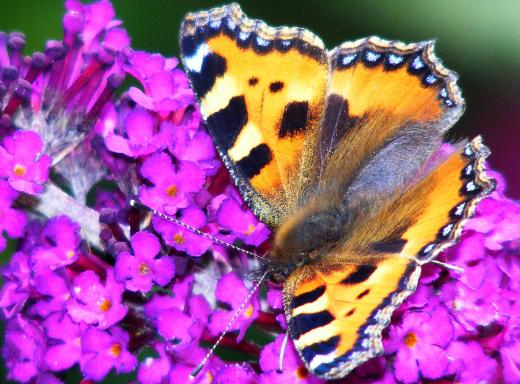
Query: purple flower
{"points": [[90, 19], [236, 373], [479, 306], [153, 370], [104, 350], [53, 292], [12, 221], [166, 88], [172, 187], [294, 371], [142, 137], [23, 349], [59, 244], [94, 302], [419, 341], [139, 271], [186, 359], [183, 239], [498, 220], [242, 222], [65, 346], [144, 64], [181, 318], [16, 287], [194, 144], [232, 292], [22, 163], [275, 298], [510, 344], [470, 364]]}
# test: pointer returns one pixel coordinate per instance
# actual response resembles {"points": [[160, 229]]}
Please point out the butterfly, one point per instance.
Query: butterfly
{"points": [[341, 154]]}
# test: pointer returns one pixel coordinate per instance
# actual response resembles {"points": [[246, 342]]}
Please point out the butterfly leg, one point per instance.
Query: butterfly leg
{"points": [[282, 351], [451, 267]]}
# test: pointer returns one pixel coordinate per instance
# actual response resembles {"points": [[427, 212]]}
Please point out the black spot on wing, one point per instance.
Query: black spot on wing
{"points": [[213, 66], [362, 273], [308, 297], [253, 81], [276, 86], [322, 348], [363, 294], [227, 123], [336, 123], [388, 246], [306, 322], [294, 118], [258, 158]]}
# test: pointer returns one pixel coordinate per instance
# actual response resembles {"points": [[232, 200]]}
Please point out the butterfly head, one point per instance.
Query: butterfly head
{"points": [[306, 239]]}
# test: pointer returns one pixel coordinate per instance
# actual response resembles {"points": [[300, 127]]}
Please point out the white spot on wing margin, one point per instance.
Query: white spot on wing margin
{"points": [[194, 62]]}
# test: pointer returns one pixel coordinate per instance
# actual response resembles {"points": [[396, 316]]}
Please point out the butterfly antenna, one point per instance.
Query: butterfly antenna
{"points": [[136, 204], [451, 267], [237, 313]]}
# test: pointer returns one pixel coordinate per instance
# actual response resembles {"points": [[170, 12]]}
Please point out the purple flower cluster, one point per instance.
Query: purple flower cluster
{"points": [[95, 285]]}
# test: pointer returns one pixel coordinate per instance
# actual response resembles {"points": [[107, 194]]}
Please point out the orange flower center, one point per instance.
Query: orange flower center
{"points": [[171, 191], [410, 339], [301, 373], [104, 304], [144, 269], [19, 170], [249, 311], [250, 229], [70, 254], [178, 238], [115, 350]]}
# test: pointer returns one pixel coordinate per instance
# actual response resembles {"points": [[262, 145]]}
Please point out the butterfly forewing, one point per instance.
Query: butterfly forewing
{"points": [[261, 91]]}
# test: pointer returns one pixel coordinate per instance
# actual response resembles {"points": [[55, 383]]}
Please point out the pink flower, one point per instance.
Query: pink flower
{"points": [[172, 186], [104, 350], [139, 271], [96, 303], [232, 292], [419, 342], [22, 162]]}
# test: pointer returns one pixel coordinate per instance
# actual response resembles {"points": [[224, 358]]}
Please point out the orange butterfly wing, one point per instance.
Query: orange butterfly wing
{"points": [[377, 90], [261, 91], [338, 308]]}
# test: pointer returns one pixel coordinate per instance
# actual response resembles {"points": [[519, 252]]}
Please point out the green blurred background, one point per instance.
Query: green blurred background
{"points": [[479, 39]]}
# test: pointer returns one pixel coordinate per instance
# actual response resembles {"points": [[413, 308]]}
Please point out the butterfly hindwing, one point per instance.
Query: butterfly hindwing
{"points": [[336, 317], [337, 308], [261, 91]]}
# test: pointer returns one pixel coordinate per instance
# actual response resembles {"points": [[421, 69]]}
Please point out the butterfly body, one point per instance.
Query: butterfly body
{"points": [[341, 153]]}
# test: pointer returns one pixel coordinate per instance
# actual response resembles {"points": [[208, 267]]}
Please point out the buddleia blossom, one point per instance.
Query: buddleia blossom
{"points": [[102, 288]]}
